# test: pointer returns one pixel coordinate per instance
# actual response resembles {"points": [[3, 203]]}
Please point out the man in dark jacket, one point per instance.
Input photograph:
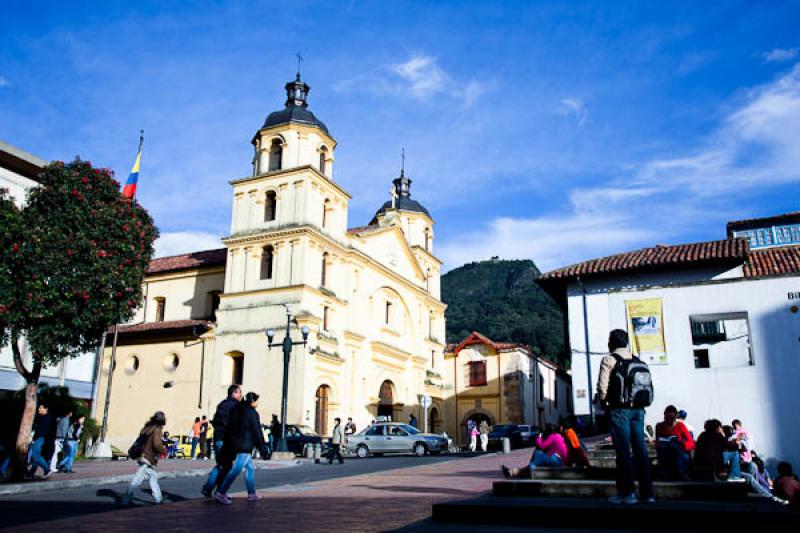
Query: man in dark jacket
{"points": [[244, 434], [220, 423], [62, 432], [274, 432], [41, 432]]}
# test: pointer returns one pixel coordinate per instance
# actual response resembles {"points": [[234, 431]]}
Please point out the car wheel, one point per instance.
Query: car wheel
{"points": [[420, 449], [362, 451]]}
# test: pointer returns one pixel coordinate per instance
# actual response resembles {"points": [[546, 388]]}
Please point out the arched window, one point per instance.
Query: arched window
{"points": [[323, 156], [386, 399], [236, 365], [433, 419], [267, 258], [324, 276], [427, 239], [161, 305], [325, 207], [270, 206], [275, 155], [321, 415]]}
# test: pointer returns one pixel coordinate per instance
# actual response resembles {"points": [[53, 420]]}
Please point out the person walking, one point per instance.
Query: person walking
{"points": [[220, 424], [41, 432], [626, 419], [243, 435], [337, 439], [274, 432], [203, 437], [71, 445], [484, 431], [473, 435], [62, 432], [152, 448], [196, 428]]}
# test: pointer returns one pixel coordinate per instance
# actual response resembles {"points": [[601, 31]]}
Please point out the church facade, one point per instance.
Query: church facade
{"points": [[370, 296]]}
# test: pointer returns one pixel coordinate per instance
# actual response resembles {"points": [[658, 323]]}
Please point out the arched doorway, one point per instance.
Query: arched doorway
{"points": [[386, 399], [321, 413], [433, 420]]}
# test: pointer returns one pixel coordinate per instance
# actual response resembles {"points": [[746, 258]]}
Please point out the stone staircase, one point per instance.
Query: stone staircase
{"points": [[571, 497]]}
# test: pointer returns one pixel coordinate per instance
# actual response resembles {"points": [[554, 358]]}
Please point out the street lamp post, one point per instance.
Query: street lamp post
{"points": [[287, 345]]}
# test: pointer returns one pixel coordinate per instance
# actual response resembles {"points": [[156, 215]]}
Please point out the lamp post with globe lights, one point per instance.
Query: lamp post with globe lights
{"points": [[287, 345]]}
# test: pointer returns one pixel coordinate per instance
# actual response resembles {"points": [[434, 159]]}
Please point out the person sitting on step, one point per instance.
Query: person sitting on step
{"points": [[551, 450], [786, 486], [714, 452], [576, 454], [674, 443]]}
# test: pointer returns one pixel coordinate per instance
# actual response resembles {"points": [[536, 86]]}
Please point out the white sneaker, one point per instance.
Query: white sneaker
{"points": [[222, 498], [630, 499], [736, 480]]}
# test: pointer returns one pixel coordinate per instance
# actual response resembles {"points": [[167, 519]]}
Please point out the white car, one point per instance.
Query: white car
{"points": [[392, 437]]}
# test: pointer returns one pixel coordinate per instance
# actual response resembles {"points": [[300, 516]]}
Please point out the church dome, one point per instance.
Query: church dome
{"points": [[296, 108], [402, 200]]}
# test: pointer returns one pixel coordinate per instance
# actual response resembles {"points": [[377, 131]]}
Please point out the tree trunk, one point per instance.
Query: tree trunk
{"points": [[28, 412]]}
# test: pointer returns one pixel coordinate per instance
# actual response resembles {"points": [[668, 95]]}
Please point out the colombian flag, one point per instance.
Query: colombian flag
{"points": [[129, 191]]}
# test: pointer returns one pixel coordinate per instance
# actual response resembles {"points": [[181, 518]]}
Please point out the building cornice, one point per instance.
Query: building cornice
{"points": [[294, 171]]}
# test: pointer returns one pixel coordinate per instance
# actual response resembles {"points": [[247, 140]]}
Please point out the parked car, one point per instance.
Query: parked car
{"points": [[393, 437], [501, 431], [297, 437], [528, 434]]}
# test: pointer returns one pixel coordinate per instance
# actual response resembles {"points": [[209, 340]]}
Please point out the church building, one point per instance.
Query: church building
{"points": [[370, 296]]}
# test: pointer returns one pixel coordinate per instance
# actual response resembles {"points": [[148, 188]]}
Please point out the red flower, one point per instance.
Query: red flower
{"points": [[84, 180], [15, 247]]}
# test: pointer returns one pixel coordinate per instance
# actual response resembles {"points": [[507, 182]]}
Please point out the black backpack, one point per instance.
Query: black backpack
{"points": [[630, 384], [137, 448]]}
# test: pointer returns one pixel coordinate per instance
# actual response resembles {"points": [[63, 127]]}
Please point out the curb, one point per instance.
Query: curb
{"points": [[44, 485]]}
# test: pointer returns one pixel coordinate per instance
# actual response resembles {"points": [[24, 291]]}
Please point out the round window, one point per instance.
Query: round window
{"points": [[171, 362], [131, 364]]}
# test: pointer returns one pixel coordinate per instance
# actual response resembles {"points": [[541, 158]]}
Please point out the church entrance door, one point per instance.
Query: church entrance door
{"points": [[321, 413], [386, 399]]}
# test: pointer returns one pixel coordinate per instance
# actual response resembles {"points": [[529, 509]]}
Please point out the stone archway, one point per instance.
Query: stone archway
{"points": [[434, 420], [321, 412]]}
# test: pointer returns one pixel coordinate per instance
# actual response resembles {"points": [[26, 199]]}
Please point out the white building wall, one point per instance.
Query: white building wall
{"points": [[763, 396]]}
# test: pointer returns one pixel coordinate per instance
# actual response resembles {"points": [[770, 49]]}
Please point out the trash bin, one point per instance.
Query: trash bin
{"points": [[506, 445]]}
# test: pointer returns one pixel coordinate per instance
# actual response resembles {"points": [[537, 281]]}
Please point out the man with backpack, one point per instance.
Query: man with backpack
{"points": [[147, 449], [625, 387], [220, 422]]}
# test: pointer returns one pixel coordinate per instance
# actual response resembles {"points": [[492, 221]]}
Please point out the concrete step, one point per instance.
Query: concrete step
{"points": [[611, 455], [598, 488], [612, 463], [558, 513], [546, 472]]}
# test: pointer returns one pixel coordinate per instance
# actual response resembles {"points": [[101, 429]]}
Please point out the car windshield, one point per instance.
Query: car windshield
{"points": [[410, 429], [305, 430]]}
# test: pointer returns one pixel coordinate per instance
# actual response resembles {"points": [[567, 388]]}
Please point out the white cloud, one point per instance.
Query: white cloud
{"points": [[757, 145], [4, 82], [780, 55], [423, 78], [182, 242], [574, 107]]}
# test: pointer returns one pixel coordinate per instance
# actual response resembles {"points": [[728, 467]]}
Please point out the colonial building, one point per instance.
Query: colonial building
{"points": [[19, 171], [503, 383], [718, 322], [369, 294]]}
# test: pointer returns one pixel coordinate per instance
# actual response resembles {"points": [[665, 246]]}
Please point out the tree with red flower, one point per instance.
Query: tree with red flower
{"points": [[69, 268]]}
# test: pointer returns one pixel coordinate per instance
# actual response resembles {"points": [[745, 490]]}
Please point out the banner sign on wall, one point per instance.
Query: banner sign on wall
{"points": [[646, 329]]}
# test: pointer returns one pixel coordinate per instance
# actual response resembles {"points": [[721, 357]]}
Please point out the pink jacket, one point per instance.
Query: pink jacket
{"points": [[552, 445]]}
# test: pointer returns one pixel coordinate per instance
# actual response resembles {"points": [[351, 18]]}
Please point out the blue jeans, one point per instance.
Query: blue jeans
{"points": [[214, 476], [243, 461], [540, 458], [36, 456], [70, 451], [195, 442], [672, 459], [735, 469], [627, 431]]}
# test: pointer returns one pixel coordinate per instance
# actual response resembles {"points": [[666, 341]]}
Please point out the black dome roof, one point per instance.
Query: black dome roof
{"points": [[402, 201], [296, 110]]}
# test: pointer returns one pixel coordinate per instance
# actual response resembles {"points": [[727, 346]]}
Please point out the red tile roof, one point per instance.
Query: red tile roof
{"points": [[204, 259], [477, 338], [161, 326], [773, 262], [661, 256]]}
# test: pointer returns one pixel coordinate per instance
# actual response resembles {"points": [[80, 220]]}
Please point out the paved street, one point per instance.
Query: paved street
{"points": [[375, 494], [40, 507]]}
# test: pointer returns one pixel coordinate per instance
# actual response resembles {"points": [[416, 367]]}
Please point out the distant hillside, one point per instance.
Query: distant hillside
{"points": [[501, 300]]}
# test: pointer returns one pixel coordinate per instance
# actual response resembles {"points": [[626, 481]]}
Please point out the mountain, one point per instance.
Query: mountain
{"points": [[502, 300]]}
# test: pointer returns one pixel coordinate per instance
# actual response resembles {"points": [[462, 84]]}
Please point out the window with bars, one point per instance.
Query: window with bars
{"points": [[477, 373]]}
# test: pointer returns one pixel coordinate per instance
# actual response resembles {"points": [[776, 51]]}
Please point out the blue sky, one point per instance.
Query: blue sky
{"points": [[556, 131]]}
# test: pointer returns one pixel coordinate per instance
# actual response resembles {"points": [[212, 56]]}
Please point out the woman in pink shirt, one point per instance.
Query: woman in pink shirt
{"points": [[551, 450]]}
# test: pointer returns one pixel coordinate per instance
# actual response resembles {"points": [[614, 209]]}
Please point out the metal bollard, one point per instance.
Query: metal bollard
{"points": [[506, 445], [310, 451], [317, 452]]}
